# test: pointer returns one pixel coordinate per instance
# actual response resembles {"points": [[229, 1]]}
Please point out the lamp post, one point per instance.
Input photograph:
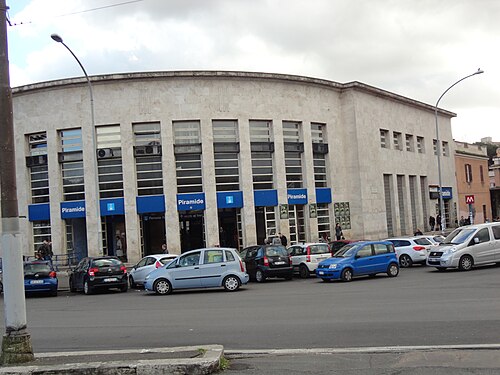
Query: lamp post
{"points": [[16, 343], [58, 39], [438, 151]]}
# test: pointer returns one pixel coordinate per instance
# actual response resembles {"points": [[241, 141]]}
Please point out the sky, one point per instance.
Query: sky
{"points": [[414, 48]]}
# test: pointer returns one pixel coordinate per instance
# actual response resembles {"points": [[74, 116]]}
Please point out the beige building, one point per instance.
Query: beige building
{"points": [[471, 162], [202, 158]]}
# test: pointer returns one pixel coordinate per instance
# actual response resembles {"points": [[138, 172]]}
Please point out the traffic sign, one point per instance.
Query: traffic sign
{"points": [[469, 199]]}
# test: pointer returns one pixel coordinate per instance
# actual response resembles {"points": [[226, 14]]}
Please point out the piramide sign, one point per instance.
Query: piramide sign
{"points": [[469, 199]]}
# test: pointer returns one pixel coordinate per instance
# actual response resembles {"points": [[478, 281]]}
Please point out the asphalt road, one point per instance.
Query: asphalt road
{"points": [[419, 307]]}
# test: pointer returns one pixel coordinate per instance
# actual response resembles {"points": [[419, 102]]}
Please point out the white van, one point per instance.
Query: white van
{"points": [[466, 247]]}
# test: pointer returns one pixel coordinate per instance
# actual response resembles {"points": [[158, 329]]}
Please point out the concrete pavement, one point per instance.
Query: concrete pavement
{"points": [[204, 359]]}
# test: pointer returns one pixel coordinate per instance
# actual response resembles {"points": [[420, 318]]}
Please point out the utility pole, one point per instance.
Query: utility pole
{"points": [[16, 343]]}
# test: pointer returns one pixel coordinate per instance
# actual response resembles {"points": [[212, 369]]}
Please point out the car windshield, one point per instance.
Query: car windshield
{"points": [[438, 239], [32, 268], [458, 236], [319, 249], [276, 251], [346, 251], [166, 260], [106, 262]]}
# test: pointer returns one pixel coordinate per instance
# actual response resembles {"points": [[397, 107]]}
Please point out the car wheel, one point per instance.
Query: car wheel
{"points": [[303, 272], [231, 283], [465, 263], [405, 261], [441, 269], [132, 283], [392, 270], [347, 274], [259, 276], [72, 288], [1, 287], [162, 287], [87, 289], [124, 288]]}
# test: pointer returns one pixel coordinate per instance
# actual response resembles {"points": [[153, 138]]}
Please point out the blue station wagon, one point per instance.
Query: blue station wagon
{"points": [[360, 258], [201, 268]]}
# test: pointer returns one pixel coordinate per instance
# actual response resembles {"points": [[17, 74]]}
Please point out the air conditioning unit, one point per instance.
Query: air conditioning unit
{"points": [[147, 150], [33, 161], [104, 153]]}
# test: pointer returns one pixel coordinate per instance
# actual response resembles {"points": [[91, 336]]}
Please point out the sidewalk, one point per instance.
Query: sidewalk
{"points": [[204, 359]]}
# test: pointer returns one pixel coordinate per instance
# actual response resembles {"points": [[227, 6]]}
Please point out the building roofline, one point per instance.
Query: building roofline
{"points": [[354, 85]]}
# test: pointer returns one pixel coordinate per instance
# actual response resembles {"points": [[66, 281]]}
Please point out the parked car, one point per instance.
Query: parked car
{"points": [[305, 257], [146, 265], [435, 239], [40, 277], [265, 261], [94, 273], [360, 258], [466, 247], [201, 268], [411, 250]]}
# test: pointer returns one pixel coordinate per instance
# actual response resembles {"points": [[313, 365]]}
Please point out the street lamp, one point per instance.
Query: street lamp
{"points": [[58, 39], [438, 151]]}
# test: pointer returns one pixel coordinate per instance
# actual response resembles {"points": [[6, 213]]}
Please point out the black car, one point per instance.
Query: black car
{"points": [[98, 273], [267, 261]]}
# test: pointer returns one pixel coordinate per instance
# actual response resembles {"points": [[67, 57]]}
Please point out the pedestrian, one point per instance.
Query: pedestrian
{"points": [[418, 232], [462, 221], [283, 239], [164, 249], [432, 222], [438, 222], [119, 248], [338, 232], [222, 237]]}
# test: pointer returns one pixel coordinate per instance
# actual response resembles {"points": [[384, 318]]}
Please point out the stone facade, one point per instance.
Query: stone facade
{"points": [[353, 114]]}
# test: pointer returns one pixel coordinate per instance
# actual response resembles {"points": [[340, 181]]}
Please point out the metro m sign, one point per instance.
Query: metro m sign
{"points": [[469, 199]]}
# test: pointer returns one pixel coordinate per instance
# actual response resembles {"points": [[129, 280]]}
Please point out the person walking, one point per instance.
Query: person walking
{"points": [[164, 249], [432, 222], [119, 248], [338, 232], [438, 222], [283, 239]]}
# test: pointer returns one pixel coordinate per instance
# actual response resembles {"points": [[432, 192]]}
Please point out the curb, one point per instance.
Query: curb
{"points": [[358, 350], [208, 363]]}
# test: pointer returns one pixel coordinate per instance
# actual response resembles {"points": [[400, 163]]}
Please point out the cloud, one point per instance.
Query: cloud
{"points": [[416, 49]]}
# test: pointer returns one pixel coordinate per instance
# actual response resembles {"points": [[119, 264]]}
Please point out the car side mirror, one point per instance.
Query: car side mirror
{"points": [[357, 256], [476, 240]]}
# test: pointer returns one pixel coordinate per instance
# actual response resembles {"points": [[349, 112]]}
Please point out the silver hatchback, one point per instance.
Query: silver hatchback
{"points": [[201, 268]]}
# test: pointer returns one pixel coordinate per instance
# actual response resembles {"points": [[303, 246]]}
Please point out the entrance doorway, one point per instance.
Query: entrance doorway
{"points": [[265, 220], [297, 224], [152, 233], [229, 228], [113, 228], [192, 228]]}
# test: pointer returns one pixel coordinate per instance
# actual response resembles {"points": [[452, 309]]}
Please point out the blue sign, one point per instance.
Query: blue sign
{"points": [[193, 201], [323, 195], [265, 198], [150, 204], [297, 196], [447, 192], [72, 209], [230, 199], [112, 206], [39, 212]]}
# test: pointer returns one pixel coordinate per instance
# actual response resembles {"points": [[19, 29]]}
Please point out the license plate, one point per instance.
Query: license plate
{"points": [[36, 282], [110, 280], [321, 272], [279, 263]]}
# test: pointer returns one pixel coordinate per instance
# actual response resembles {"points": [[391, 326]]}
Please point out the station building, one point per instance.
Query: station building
{"points": [[204, 158]]}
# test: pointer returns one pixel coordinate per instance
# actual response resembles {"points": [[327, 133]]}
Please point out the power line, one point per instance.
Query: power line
{"points": [[79, 12]]}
